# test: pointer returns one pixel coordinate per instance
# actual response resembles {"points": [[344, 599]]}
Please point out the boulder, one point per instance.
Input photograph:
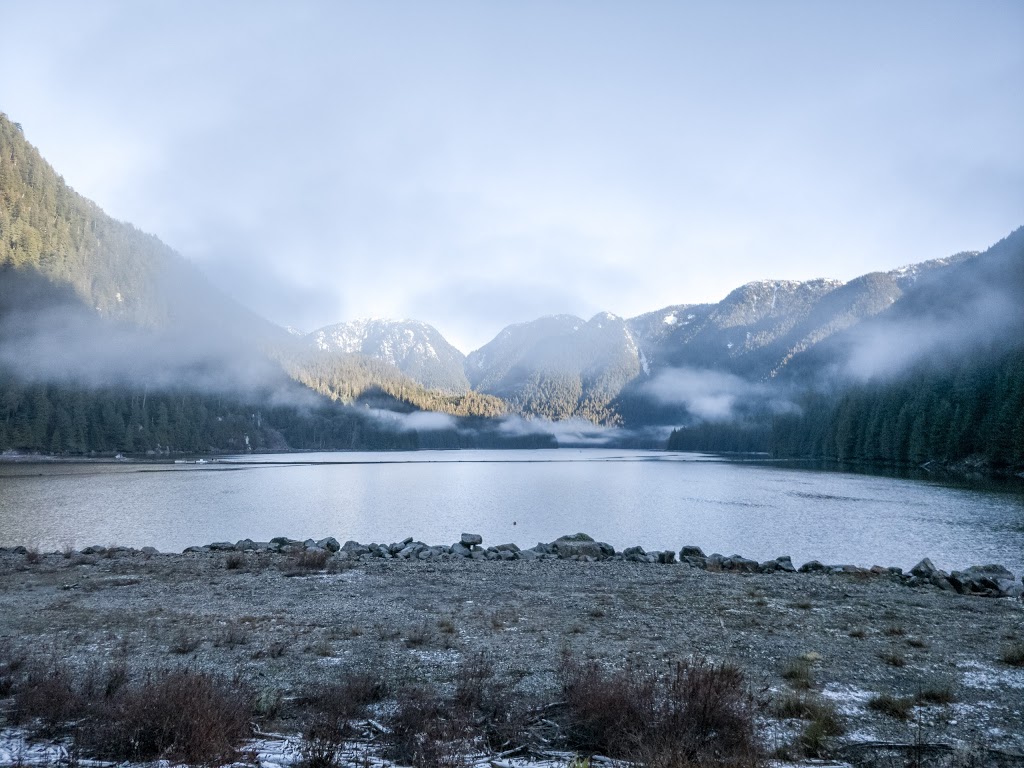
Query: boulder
{"points": [[528, 554], [472, 539], [785, 564], [667, 557], [985, 581], [330, 544], [739, 564], [460, 549], [150, 551], [581, 545], [924, 569], [245, 545], [814, 566], [628, 551], [507, 548], [355, 548], [221, 546], [689, 550]]}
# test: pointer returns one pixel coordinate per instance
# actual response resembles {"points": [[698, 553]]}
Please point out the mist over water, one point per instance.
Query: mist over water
{"points": [[656, 500]]}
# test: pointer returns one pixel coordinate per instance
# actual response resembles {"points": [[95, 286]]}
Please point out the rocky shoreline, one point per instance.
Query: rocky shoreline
{"points": [[991, 580]]}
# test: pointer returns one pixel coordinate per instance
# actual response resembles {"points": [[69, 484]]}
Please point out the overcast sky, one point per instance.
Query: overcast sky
{"points": [[481, 163]]}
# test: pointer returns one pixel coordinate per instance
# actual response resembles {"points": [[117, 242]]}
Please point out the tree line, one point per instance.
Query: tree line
{"points": [[971, 410]]}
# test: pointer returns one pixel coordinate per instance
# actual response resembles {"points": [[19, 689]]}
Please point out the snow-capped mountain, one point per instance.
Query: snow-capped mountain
{"points": [[416, 349]]}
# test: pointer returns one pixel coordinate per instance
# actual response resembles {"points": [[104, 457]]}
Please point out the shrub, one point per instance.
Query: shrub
{"points": [[697, 714], [424, 731], [235, 561], [311, 559], [181, 715], [46, 695]]}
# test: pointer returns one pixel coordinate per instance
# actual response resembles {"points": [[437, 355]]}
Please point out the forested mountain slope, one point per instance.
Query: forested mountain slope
{"points": [[938, 377]]}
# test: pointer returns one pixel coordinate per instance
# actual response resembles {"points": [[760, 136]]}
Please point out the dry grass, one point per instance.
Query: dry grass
{"points": [[898, 707], [798, 673], [893, 658]]}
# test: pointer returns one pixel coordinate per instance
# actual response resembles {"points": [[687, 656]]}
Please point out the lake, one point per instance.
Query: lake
{"points": [[655, 499]]}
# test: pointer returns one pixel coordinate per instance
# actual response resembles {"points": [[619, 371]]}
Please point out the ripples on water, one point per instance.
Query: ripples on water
{"points": [[655, 499]]}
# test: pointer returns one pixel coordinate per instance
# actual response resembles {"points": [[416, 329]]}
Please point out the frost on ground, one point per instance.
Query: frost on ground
{"points": [[287, 630]]}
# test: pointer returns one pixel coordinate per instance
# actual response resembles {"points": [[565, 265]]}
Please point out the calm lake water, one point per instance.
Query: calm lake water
{"points": [[655, 499]]}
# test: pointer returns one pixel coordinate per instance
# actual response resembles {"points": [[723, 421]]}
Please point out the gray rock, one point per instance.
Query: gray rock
{"points": [[355, 548], [460, 549], [150, 551], [245, 545], [739, 564], [575, 546], [814, 566], [507, 548], [492, 555], [575, 537], [308, 544], [528, 554], [508, 554], [472, 539], [667, 557], [924, 569], [689, 550], [785, 564], [425, 554], [221, 546], [628, 551], [330, 544], [189, 550]]}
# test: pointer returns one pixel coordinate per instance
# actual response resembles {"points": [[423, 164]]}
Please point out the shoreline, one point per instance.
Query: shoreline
{"points": [[981, 580]]}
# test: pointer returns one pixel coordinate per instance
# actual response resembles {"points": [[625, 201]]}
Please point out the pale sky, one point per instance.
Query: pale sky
{"points": [[475, 164]]}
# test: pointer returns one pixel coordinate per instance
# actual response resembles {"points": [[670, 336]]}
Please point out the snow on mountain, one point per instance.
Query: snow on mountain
{"points": [[415, 348]]}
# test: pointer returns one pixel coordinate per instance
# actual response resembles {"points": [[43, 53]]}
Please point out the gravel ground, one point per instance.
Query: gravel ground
{"points": [[281, 628]]}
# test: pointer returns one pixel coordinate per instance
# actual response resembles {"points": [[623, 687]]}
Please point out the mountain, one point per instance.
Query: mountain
{"points": [[559, 366], [416, 349], [937, 377], [118, 272], [562, 366]]}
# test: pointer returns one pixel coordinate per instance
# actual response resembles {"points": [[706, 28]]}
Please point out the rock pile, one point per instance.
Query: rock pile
{"points": [[980, 580]]}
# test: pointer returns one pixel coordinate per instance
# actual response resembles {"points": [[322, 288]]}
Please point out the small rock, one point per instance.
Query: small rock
{"points": [[221, 546]]}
